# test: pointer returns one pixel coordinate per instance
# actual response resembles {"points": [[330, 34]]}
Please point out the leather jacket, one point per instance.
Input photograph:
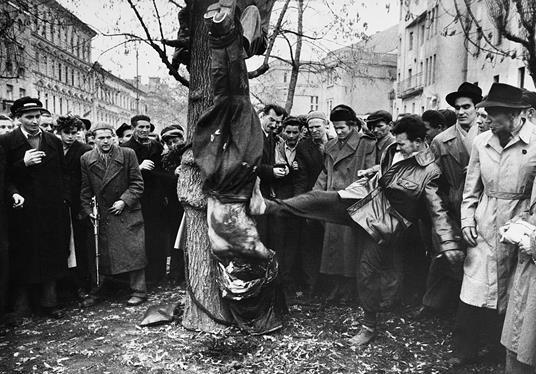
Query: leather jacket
{"points": [[402, 194]]}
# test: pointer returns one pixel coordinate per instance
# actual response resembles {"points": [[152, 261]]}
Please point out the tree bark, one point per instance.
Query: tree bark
{"points": [[201, 266], [296, 60]]}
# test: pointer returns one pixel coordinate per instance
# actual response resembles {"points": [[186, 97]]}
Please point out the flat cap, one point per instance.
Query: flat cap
{"points": [[379, 115], [25, 104]]}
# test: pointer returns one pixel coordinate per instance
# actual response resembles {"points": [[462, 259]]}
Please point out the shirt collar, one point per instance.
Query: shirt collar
{"points": [[26, 133]]}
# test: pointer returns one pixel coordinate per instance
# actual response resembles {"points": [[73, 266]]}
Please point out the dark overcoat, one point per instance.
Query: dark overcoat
{"points": [[39, 232], [340, 253], [121, 237], [81, 227], [152, 205]]}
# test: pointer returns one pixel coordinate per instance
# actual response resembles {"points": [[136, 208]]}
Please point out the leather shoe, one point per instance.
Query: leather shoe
{"points": [[54, 313], [364, 336], [136, 300], [89, 302]]}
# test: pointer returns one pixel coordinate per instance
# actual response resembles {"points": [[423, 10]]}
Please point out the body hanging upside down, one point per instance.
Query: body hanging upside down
{"points": [[227, 148]]}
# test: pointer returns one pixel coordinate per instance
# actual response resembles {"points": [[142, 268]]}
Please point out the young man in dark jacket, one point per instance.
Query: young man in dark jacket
{"points": [[401, 194]]}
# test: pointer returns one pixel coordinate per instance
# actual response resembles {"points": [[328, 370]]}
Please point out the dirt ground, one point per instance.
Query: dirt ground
{"points": [[107, 339]]}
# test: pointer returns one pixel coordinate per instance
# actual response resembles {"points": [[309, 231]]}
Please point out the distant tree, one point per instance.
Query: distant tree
{"points": [[514, 20]]}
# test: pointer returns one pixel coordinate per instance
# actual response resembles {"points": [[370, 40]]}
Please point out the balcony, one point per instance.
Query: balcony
{"points": [[411, 86]]}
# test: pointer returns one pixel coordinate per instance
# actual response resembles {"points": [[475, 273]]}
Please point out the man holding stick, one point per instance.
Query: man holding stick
{"points": [[112, 175]]}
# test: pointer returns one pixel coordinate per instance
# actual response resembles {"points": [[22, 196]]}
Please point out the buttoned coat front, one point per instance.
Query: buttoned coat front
{"points": [[121, 237], [340, 253], [39, 231], [497, 188]]}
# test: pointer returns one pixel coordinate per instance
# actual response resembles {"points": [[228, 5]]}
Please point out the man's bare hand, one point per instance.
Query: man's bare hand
{"points": [[257, 205], [33, 157], [280, 172], [18, 201], [117, 208], [147, 165], [470, 235], [454, 256]]}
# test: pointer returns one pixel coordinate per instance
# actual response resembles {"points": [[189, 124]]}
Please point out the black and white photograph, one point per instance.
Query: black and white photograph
{"points": [[268, 186]]}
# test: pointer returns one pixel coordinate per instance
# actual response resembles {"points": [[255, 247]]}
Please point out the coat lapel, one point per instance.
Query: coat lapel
{"points": [[454, 144], [116, 164], [349, 148]]}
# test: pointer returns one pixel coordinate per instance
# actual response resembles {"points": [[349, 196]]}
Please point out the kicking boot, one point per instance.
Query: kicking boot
{"points": [[364, 336]]}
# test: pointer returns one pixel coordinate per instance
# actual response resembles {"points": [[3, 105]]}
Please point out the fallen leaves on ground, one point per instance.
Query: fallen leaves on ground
{"points": [[107, 339]]}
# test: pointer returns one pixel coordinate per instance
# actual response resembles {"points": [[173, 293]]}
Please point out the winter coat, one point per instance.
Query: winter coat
{"points": [[519, 331], [452, 158], [39, 232], [497, 188], [152, 206], [121, 237], [342, 244], [310, 160]]}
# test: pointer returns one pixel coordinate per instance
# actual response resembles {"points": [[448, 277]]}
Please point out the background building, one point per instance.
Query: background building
{"points": [[49, 57], [435, 57], [360, 75]]}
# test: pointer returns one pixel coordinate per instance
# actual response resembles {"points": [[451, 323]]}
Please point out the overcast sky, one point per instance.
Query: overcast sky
{"points": [[112, 16]]}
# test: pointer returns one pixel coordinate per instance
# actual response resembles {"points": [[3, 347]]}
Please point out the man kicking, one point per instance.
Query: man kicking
{"points": [[384, 204]]}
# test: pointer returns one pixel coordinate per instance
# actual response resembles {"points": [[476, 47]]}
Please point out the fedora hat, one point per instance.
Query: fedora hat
{"points": [[504, 95], [466, 89]]}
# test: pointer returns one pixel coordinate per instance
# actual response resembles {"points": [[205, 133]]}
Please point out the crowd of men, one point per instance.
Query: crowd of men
{"points": [[371, 211], [81, 204], [414, 209]]}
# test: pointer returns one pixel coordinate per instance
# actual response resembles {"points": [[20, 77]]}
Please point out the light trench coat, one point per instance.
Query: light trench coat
{"points": [[497, 188]]}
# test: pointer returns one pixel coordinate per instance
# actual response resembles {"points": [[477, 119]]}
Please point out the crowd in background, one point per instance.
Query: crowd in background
{"points": [[451, 181]]}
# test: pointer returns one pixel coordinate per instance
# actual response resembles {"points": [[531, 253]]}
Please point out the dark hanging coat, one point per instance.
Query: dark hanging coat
{"points": [[39, 232], [152, 205], [340, 253], [122, 237], [81, 227]]}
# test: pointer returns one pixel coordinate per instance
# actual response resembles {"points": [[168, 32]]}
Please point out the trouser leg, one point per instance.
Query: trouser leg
{"points": [[138, 286], [513, 366], [4, 278], [467, 331], [49, 297], [375, 261], [443, 284], [311, 252], [320, 205], [21, 303]]}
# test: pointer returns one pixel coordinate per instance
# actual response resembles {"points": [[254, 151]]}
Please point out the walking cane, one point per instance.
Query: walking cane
{"points": [[96, 235]]}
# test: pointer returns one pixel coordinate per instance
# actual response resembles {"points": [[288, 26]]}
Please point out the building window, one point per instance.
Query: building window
{"points": [[45, 65], [22, 92], [9, 91], [434, 69], [61, 105], [285, 77], [60, 68], [314, 103], [422, 36], [330, 77], [496, 78], [410, 41], [72, 77], [330, 105], [426, 63], [46, 100], [66, 74], [413, 108], [521, 77]]}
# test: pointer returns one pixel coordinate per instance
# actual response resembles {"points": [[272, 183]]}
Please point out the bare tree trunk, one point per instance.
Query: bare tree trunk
{"points": [[201, 266], [296, 60]]}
